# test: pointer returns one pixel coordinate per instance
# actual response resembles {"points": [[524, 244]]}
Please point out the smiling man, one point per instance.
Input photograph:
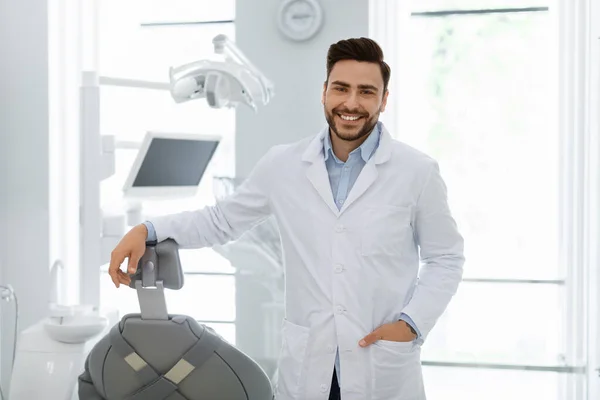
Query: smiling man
{"points": [[357, 213], [355, 92]]}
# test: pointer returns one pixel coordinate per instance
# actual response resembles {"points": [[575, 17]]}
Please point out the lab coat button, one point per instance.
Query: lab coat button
{"points": [[339, 228], [324, 388], [339, 268], [330, 349], [339, 309]]}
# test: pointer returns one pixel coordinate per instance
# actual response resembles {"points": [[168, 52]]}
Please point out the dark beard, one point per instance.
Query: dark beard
{"points": [[368, 126]]}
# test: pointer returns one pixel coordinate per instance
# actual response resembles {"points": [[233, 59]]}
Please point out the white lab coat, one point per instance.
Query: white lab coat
{"points": [[348, 271]]}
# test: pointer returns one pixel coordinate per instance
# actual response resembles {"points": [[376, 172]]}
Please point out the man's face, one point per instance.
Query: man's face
{"points": [[353, 98]]}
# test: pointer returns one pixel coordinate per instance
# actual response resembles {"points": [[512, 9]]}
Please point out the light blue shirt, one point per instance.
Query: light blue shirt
{"points": [[342, 176]]}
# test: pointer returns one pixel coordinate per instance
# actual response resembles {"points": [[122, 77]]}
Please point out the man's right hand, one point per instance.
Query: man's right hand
{"points": [[133, 247]]}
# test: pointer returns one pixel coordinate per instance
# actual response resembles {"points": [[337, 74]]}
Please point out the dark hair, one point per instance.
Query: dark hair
{"points": [[359, 49]]}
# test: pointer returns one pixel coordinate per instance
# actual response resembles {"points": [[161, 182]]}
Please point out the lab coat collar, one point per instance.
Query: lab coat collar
{"points": [[315, 149], [316, 172]]}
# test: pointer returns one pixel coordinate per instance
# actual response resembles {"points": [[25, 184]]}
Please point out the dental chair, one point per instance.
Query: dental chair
{"points": [[154, 355]]}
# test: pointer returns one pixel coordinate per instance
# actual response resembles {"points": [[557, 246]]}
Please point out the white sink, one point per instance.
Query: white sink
{"points": [[75, 329]]}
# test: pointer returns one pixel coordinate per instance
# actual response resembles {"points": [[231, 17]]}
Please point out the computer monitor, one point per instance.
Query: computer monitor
{"points": [[169, 165]]}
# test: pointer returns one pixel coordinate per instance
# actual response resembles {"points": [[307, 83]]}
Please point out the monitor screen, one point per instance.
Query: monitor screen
{"points": [[174, 162], [170, 165]]}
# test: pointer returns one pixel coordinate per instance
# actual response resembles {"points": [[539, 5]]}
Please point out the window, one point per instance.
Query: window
{"points": [[141, 40], [476, 86]]}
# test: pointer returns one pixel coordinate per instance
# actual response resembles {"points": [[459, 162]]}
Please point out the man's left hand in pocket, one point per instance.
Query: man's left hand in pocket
{"points": [[398, 331]]}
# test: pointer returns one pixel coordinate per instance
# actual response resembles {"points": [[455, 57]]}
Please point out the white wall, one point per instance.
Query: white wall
{"points": [[24, 189], [298, 72]]}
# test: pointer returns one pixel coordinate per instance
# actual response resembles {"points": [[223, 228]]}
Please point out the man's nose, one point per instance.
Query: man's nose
{"points": [[351, 102]]}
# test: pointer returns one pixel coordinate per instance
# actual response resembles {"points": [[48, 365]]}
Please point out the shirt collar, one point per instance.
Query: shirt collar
{"points": [[367, 148]]}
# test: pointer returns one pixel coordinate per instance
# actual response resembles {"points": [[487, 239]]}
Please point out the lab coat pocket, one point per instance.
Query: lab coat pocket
{"points": [[396, 371], [386, 230], [290, 369]]}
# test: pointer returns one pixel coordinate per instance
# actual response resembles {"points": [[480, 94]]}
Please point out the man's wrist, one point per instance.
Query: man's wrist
{"points": [[411, 328], [143, 230], [150, 238]]}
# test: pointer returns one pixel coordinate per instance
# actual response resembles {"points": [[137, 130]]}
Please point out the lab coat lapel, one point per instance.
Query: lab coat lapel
{"points": [[317, 175], [363, 182], [317, 171], [369, 173]]}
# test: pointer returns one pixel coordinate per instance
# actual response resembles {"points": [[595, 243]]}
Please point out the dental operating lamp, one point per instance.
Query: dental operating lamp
{"points": [[222, 83]]}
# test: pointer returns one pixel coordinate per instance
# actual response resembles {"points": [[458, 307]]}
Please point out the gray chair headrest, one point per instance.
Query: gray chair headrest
{"points": [[160, 262]]}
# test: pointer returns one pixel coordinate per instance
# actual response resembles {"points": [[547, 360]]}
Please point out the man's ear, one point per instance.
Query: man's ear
{"points": [[323, 94], [384, 101]]}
